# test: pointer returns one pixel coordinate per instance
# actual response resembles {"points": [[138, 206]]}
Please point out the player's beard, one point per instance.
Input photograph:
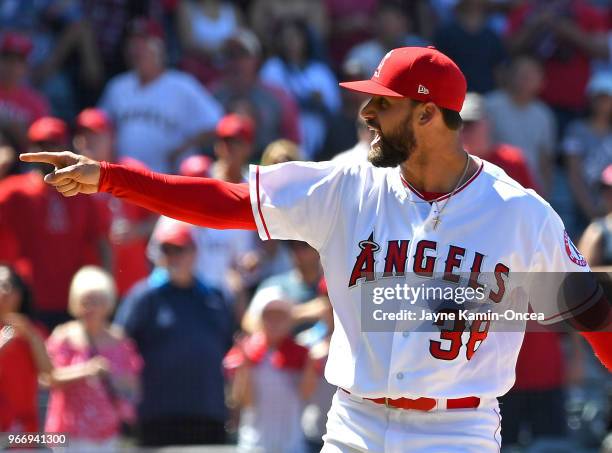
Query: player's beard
{"points": [[392, 149]]}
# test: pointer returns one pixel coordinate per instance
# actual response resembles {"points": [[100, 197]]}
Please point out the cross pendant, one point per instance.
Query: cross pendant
{"points": [[436, 222]]}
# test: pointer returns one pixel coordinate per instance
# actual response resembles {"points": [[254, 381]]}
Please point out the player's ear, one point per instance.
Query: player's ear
{"points": [[426, 113]]}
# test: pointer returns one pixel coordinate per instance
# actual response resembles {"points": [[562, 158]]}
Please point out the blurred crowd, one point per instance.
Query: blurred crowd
{"points": [[119, 326]]}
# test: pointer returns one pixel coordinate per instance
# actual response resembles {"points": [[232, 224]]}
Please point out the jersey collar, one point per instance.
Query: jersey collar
{"points": [[440, 197]]}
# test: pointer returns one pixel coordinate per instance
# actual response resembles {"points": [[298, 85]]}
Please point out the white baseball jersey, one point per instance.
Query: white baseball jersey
{"points": [[154, 119], [366, 219]]}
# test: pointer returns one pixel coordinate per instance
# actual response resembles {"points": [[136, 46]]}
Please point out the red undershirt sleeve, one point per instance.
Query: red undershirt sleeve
{"points": [[601, 342], [204, 202]]}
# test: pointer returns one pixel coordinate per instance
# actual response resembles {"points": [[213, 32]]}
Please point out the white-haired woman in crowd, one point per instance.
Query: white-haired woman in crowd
{"points": [[95, 380]]}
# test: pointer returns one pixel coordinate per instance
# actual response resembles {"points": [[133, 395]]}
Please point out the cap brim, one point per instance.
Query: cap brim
{"points": [[371, 87]]}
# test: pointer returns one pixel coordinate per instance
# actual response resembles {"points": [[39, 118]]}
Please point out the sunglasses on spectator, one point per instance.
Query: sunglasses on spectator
{"points": [[171, 249]]}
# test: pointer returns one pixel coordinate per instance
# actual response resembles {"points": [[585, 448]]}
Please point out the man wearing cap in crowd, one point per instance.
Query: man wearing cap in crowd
{"points": [[241, 90], [424, 205], [182, 328], [220, 252], [127, 226], [478, 140], [54, 236], [20, 104], [160, 115]]}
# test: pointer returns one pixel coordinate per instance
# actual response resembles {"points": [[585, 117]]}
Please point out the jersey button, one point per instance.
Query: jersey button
{"points": [[406, 334], [400, 375]]}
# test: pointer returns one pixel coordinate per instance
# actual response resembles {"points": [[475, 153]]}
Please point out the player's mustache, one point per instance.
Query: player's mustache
{"points": [[372, 125]]}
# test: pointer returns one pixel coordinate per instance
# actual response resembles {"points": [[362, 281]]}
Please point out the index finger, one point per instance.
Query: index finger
{"points": [[43, 157]]}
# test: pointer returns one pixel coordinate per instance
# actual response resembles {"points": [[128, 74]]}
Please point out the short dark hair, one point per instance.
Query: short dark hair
{"points": [[452, 119]]}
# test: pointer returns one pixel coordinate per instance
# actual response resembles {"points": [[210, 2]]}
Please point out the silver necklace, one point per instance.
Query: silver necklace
{"points": [[436, 219]]}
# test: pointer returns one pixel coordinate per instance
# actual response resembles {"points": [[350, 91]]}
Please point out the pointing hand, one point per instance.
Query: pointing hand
{"points": [[73, 173]]}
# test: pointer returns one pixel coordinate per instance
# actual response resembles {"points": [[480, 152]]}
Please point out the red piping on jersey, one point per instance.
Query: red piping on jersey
{"points": [[263, 221], [563, 313], [424, 197]]}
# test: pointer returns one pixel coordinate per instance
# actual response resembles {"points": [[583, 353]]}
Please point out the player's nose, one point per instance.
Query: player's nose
{"points": [[368, 112]]}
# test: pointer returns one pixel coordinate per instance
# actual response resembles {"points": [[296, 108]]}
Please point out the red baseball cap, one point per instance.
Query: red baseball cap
{"points": [[196, 166], [147, 28], [174, 233], [48, 129], [15, 44], [94, 120], [236, 126], [420, 73]]}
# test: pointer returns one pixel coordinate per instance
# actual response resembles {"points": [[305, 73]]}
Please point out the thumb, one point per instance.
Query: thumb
{"points": [[73, 172]]}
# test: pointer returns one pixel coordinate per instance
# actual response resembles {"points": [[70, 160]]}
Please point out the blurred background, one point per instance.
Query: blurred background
{"points": [[125, 330]]}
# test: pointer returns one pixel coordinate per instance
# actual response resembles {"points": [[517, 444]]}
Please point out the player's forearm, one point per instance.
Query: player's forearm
{"points": [[201, 201]]}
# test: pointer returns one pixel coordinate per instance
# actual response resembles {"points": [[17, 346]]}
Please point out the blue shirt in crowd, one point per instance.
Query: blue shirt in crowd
{"points": [[182, 335]]}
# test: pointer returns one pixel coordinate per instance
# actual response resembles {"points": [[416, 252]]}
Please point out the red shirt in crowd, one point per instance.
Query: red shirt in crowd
{"points": [[18, 386], [568, 70], [56, 236], [22, 105], [511, 160], [130, 258]]}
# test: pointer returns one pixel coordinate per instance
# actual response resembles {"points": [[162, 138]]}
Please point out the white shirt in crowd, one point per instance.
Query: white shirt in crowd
{"points": [[531, 127], [154, 119]]}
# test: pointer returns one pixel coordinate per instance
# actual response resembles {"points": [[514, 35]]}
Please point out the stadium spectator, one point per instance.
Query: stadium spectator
{"points": [[562, 34], [51, 235], [301, 284], [351, 24], [220, 252], [58, 35], [310, 82], [183, 328], [160, 114], [472, 44], [128, 226], [314, 417], [94, 384], [476, 134], [518, 118], [586, 149], [196, 166], [272, 376], [108, 21], [20, 105], [242, 90], [23, 356], [392, 28], [596, 242], [9, 148], [265, 17], [203, 26], [533, 411], [280, 151]]}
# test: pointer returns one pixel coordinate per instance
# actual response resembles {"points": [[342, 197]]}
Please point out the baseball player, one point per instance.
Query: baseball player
{"points": [[422, 205]]}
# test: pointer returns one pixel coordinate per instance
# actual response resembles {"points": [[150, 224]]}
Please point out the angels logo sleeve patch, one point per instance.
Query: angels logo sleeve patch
{"points": [[572, 251]]}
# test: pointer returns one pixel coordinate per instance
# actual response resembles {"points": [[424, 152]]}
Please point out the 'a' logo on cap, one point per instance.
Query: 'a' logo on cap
{"points": [[422, 90], [381, 64]]}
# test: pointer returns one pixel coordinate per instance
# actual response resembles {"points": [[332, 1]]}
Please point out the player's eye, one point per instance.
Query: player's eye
{"points": [[384, 103]]}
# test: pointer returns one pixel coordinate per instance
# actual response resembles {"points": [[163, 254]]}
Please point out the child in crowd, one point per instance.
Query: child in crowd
{"points": [[272, 376]]}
